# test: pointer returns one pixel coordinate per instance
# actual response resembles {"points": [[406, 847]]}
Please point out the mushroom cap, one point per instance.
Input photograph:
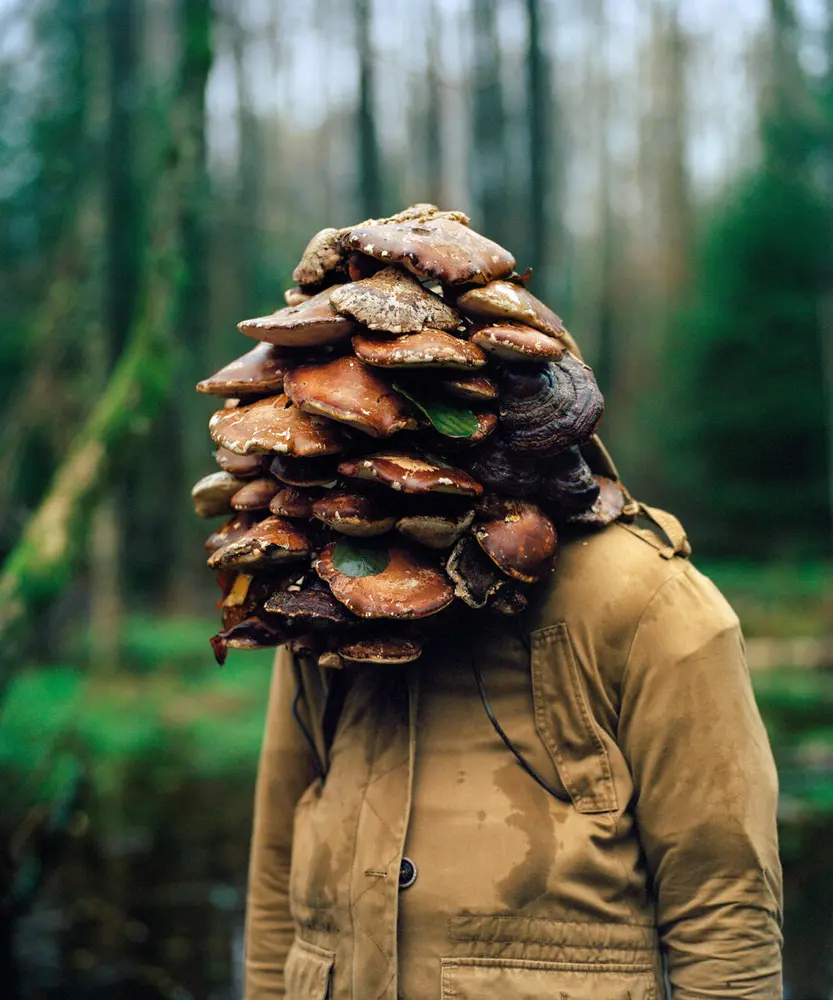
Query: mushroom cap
{"points": [[428, 349], [567, 482], [292, 501], [321, 255], [384, 650], [436, 531], [395, 302], [522, 543], [496, 466], [256, 494], [259, 371], [304, 471], [436, 248], [212, 494], [266, 543], [508, 300], [607, 507], [471, 388], [242, 466], [274, 424], [408, 586], [295, 296], [238, 524], [411, 474], [516, 342], [353, 514], [348, 391], [475, 578], [252, 633], [548, 408], [308, 324], [310, 605], [420, 211]]}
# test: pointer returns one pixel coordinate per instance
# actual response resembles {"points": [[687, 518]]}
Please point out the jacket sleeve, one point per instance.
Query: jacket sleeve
{"points": [[286, 769], [706, 794]]}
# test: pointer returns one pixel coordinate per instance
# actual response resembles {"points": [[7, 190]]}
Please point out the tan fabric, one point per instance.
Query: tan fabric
{"points": [[626, 688]]}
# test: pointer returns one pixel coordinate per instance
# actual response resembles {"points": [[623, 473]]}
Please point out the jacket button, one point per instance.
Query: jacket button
{"points": [[407, 873]]}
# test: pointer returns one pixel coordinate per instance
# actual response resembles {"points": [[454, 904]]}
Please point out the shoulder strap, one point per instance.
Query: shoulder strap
{"points": [[678, 544]]}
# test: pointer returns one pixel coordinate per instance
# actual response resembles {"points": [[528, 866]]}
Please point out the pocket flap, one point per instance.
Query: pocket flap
{"points": [[308, 971]]}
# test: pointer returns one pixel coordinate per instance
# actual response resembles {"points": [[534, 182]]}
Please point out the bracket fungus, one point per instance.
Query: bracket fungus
{"points": [[398, 447], [349, 392]]}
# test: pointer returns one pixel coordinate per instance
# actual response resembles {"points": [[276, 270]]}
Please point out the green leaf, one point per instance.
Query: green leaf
{"points": [[450, 418], [354, 559]]}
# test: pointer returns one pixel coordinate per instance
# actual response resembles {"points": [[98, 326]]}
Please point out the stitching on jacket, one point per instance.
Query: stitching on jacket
{"points": [[536, 965]]}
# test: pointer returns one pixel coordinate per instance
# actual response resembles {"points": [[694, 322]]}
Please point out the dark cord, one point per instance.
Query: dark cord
{"points": [[530, 770], [296, 715]]}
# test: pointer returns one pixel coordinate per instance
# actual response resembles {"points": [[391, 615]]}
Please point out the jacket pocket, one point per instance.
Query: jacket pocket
{"points": [[479, 978], [565, 724], [308, 971]]}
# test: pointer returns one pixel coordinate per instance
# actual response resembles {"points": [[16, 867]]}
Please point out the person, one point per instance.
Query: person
{"points": [[618, 842]]}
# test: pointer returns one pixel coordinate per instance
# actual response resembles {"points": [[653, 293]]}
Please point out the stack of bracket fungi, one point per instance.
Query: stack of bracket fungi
{"points": [[404, 443]]}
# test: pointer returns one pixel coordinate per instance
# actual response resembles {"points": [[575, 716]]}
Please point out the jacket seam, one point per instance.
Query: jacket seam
{"points": [[683, 569]]}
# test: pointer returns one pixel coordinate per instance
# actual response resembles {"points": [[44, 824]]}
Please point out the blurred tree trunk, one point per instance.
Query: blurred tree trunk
{"points": [[433, 123], [488, 156], [827, 300], [369, 195]]}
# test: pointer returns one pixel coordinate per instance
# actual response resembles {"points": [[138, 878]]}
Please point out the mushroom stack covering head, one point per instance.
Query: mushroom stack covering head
{"points": [[405, 441]]}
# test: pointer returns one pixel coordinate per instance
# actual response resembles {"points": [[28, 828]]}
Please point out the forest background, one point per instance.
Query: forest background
{"points": [[665, 166]]}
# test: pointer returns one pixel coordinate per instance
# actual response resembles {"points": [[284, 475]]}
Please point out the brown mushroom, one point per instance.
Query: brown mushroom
{"points": [[353, 514], [322, 255], [608, 506], [407, 586], [548, 408], [437, 248], [395, 302], [567, 483], [522, 543], [309, 607], [507, 300], [428, 349], [475, 578], [471, 388], [260, 371], [348, 391], [291, 501], [308, 324], [516, 342], [256, 494], [212, 494], [411, 474], [304, 471], [267, 543], [249, 634], [421, 211], [295, 296], [242, 466], [385, 650], [236, 526], [274, 424], [436, 531]]}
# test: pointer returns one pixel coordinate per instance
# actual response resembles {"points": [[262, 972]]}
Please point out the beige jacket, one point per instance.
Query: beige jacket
{"points": [[654, 874]]}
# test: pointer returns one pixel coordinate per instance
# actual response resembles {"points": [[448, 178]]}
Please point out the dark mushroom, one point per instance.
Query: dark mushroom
{"points": [[354, 514], [545, 409], [274, 424], [267, 543], [249, 634], [383, 650], [475, 578], [495, 466], [437, 248], [428, 349], [522, 543], [517, 343], [309, 608], [394, 302], [608, 507], [259, 372], [411, 474], [212, 494], [256, 494], [407, 587], [308, 324], [509, 601], [507, 300], [304, 471], [567, 483], [348, 391], [471, 388]]}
